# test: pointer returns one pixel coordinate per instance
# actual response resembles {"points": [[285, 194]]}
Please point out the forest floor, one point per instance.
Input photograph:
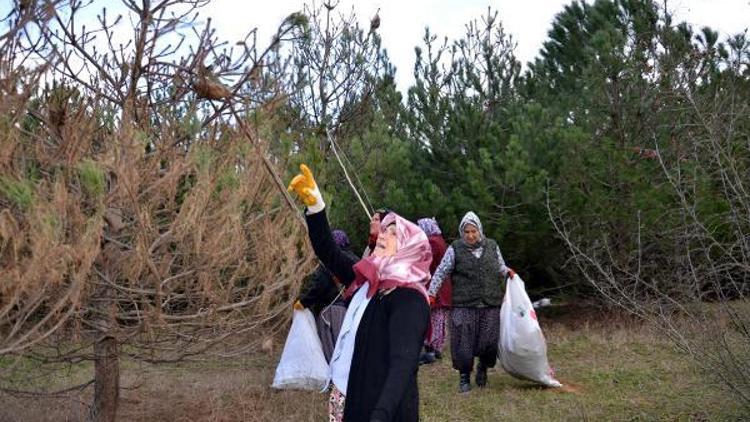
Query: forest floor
{"points": [[612, 368]]}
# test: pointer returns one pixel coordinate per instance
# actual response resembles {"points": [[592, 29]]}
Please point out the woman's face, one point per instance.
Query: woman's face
{"points": [[471, 234], [387, 241], [375, 225]]}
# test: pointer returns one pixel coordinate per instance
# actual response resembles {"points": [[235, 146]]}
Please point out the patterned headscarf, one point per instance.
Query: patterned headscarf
{"points": [[409, 267], [473, 219], [429, 226], [341, 239]]}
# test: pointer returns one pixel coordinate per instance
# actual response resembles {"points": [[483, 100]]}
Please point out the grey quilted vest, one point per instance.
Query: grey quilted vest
{"points": [[477, 282]]}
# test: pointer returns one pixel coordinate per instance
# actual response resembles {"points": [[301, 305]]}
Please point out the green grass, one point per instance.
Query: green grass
{"points": [[624, 373], [621, 375]]}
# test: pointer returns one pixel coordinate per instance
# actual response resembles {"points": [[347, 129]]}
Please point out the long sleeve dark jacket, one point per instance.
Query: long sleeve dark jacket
{"points": [[382, 383], [320, 289]]}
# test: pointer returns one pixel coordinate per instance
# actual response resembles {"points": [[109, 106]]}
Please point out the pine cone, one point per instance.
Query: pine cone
{"points": [[375, 22]]}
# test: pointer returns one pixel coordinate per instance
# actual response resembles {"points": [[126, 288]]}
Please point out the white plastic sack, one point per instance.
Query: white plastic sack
{"points": [[522, 349], [302, 364]]}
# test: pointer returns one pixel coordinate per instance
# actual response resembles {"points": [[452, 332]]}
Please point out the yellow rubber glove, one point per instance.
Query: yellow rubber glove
{"points": [[305, 187], [298, 306]]}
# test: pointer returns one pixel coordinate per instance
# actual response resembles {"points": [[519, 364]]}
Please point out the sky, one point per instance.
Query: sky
{"points": [[403, 22]]}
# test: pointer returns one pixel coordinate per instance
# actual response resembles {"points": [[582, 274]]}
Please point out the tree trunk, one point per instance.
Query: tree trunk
{"points": [[107, 379]]}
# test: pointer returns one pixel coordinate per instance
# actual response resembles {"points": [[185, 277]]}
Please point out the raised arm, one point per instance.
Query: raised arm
{"points": [[442, 271], [339, 263], [326, 249]]}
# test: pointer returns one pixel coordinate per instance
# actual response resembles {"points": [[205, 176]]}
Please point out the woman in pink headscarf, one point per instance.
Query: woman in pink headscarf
{"points": [[375, 361]]}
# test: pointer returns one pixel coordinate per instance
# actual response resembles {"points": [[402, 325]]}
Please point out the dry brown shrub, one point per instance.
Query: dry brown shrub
{"points": [[201, 236], [122, 218]]}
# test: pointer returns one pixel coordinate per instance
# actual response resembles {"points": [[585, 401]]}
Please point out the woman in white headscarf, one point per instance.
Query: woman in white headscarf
{"points": [[477, 270]]}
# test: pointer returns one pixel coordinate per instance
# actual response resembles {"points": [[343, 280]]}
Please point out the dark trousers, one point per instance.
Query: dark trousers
{"points": [[474, 333]]}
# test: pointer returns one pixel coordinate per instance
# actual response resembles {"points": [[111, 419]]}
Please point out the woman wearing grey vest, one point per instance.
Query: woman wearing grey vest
{"points": [[478, 270]]}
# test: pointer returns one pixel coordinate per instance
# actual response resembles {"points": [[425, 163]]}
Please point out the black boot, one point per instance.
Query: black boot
{"points": [[426, 358], [481, 378], [464, 383]]}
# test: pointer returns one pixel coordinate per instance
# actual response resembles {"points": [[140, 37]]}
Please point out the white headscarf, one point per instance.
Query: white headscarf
{"points": [[473, 219]]}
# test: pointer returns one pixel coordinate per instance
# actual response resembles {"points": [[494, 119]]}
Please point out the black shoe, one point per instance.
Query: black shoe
{"points": [[464, 383], [438, 355], [426, 358], [481, 378]]}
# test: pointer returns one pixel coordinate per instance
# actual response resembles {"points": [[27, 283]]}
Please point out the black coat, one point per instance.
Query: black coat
{"points": [[382, 382], [320, 289]]}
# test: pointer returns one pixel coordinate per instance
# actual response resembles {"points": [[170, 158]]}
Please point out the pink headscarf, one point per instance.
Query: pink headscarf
{"points": [[409, 267]]}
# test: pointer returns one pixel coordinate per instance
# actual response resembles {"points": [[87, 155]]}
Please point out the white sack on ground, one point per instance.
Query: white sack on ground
{"points": [[522, 350], [302, 364]]}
